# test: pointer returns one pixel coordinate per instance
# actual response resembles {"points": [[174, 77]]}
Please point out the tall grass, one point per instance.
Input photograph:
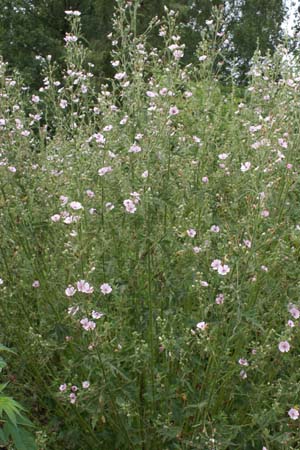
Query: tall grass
{"points": [[150, 236]]}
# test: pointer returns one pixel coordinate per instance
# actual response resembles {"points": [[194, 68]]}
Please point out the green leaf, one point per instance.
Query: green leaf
{"points": [[3, 348], [3, 438]]}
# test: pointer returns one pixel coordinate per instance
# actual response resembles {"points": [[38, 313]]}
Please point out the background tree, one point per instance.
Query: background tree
{"points": [[29, 28]]}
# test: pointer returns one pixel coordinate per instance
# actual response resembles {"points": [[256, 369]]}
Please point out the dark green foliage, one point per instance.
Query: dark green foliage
{"points": [[37, 27]]}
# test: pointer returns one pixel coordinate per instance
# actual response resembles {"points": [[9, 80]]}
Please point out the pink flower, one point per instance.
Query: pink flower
{"points": [[35, 99], [294, 311], [291, 324], [104, 171], [97, 315], [70, 291], [204, 283], [293, 413], [85, 384], [55, 218], [243, 374], [36, 284], [215, 228], [196, 249], [63, 104], [74, 388], [215, 264], [64, 200], [151, 94], [76, 205], [223, 156], [87, 324], [247, 243], [136, 197], [129, 206], [223, 269], [282, 143], [99, 138], [191, 232], [63, 387], [173, 111], [84, 286], [246, 166], [72, 397], [135, 149], [219, 299], [105, 288], [120, 76], [284, 346], [68, 220], [265, 213], [201, 325], [243, 362], [178, 54], [90, 193], [205, 180], [70, 38]]}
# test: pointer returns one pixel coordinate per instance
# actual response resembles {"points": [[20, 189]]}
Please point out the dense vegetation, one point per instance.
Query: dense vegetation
{"points": [[33, 28], [150, 238]]}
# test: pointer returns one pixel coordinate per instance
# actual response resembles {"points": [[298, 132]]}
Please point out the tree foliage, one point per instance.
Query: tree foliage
{"points": [[29, 28]]}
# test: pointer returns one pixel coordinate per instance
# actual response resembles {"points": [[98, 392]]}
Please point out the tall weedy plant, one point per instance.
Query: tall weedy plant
{"points": [[149, 245]]}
